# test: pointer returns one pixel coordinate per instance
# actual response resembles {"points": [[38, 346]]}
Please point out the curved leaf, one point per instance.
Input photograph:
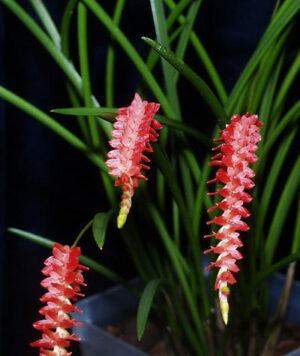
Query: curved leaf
{"points": [[204, 90], [109, 114], [145, 305], [100, 226]]}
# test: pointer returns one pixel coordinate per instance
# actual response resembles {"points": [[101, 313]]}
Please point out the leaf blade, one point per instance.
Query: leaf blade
{"points": [[145, 305], [100, 224]]}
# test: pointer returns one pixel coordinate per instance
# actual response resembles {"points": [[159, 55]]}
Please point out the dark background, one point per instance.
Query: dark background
{"points": [[46, 186]]}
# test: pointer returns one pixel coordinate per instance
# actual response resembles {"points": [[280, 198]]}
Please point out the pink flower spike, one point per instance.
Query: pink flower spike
{"points": [[240, 138], [134, 129], [63, 280]]}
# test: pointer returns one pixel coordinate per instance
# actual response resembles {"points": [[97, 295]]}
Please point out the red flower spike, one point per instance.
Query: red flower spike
{"points": [[134, 129], [63, 280], [237, 151]]}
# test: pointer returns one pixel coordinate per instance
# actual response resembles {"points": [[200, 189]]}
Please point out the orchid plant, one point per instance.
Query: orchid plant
{"points": [[165, 237]]}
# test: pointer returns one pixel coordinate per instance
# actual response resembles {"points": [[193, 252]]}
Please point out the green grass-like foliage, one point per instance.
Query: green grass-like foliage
{"points": [[164, 237]]}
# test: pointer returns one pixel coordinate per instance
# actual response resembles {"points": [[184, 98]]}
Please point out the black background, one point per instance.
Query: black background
{"points": [[46, 186]]}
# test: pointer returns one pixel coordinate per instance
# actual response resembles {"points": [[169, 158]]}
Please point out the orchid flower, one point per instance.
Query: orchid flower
{"points": [[64, 281], [134, 129], [240, 138]]}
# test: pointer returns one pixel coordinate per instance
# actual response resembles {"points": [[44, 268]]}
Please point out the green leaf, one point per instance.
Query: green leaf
{"points": [[202, 53], [287, 11], [270, 183], [85, 111], [262, 275], [161, 31], [292, 114], [204, 90], [127, 46], [85, 71], [52, 124], [282, 210], [65, 26], [110, 58], [185, 34], [109, 114], [100, 226], [296, 238], [67, 67], [145, 305], [47, 21]]}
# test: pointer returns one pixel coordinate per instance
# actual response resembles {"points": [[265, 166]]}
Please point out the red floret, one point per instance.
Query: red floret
{"points": [[64, 281]]}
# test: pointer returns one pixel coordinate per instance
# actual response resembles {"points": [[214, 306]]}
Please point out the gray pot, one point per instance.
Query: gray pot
{"points": [[116, 304]]}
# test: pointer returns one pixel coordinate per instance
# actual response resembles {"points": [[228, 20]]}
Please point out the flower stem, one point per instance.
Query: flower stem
{"points": [[82, 232]]}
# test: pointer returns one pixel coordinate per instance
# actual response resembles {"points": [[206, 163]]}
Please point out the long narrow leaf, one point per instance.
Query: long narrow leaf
{"points": [[85, 72], [52, 124], [110, 60], [109, 114], [204, 57], [47, 21], [160, 26], [284, 204], [131, 52], [281, 20], [186, 32], [145, 305], [41, 36], [193, 78], [292, 114]]}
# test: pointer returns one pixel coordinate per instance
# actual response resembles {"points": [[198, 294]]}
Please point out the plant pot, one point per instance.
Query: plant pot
{"points": [[116, 304], [103, 309], [276, 283]]}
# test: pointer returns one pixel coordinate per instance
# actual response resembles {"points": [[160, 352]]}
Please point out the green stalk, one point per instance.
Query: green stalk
{"points": [[52, 124], [82, 232], [110, 61], [84, 69]]}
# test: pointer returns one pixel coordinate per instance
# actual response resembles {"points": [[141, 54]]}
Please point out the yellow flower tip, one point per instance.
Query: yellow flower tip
{"points": [[224, 311], [122, 217]]}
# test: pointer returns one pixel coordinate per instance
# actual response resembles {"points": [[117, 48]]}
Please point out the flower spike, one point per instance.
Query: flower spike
{"points": [[134, 129], [64, 281], [237, 151]]}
